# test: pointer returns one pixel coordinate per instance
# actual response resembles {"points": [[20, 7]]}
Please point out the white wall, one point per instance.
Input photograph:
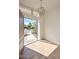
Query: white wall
{"points": [[42, 20], [52, 25]]}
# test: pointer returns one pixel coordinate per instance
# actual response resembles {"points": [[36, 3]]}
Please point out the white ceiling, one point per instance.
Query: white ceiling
{"points": [[49, 5]]}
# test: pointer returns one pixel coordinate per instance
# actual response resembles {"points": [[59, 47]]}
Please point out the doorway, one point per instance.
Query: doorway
{"points": [[31, 30]]}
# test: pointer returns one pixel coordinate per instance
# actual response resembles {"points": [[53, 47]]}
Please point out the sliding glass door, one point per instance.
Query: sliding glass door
{"points": [[30, 30]]}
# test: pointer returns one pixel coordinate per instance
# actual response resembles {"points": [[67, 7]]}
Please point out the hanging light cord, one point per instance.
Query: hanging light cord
{"points": [[41, 2]]}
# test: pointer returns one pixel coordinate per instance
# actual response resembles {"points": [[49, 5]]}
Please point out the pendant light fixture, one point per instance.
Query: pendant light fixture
{"points": [[41, 9]]}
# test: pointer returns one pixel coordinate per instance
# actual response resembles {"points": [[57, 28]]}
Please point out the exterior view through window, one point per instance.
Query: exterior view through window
{"points": [[30, 30]]}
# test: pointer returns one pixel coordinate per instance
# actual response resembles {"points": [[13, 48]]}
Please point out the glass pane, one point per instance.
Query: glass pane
{"points": [[30, 31]]}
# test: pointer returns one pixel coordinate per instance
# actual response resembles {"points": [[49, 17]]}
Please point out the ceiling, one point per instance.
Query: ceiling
{"points": [[49, 5]]}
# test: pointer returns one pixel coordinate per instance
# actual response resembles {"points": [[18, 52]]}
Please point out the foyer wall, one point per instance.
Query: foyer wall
{"points": [[52, 26], [21, 31]]}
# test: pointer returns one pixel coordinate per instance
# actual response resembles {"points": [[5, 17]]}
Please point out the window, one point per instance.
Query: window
{"points": [[30, 30]]}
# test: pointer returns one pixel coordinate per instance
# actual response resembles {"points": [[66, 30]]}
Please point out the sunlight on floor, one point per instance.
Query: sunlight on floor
{"points": [[43, 48], [29, 39]]}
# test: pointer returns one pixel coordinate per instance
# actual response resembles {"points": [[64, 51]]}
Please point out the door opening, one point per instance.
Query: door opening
{"points": [[31, 30]]}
